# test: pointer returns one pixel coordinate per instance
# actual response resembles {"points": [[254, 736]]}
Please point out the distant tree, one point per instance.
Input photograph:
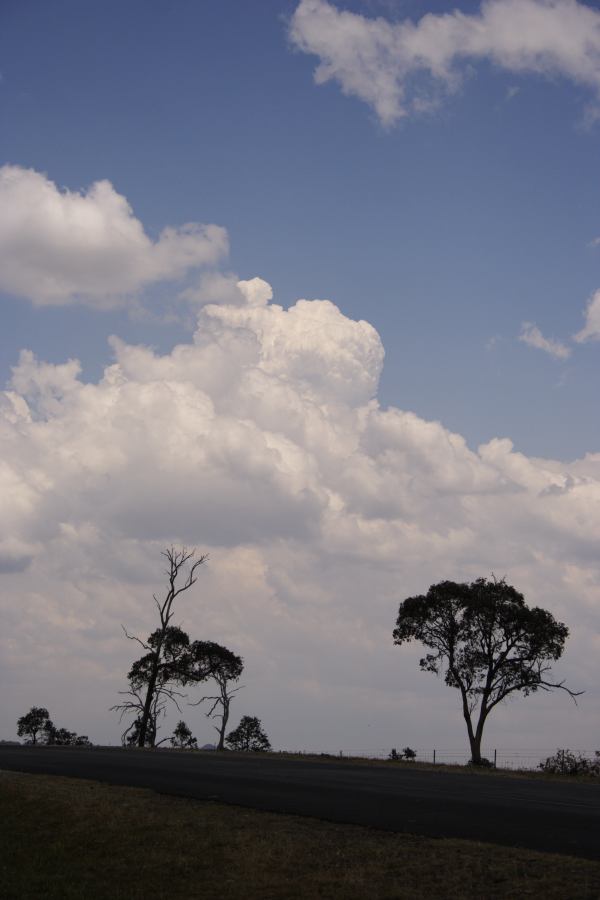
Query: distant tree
{"points": [[153, 676], [32, 723], [38, 722], [62, 737], [225, 668], [248, 736], [488, 643], [407, 754], [182, 737]]}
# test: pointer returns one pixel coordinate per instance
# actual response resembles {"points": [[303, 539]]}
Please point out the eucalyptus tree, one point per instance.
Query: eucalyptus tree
{"points": [[225, 668], [153, 677], [487, 643]]}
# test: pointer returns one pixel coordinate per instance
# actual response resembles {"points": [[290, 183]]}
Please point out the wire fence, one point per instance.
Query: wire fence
{"points": [[501, 757]]}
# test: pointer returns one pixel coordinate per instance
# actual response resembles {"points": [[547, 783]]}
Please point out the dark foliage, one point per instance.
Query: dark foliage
{"points": [[565, 762]]}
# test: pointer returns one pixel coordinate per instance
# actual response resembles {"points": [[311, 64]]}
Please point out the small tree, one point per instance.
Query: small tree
{"points": [[488, 641], [248, 736], [182, 737], [225, 667], [32, 723]]}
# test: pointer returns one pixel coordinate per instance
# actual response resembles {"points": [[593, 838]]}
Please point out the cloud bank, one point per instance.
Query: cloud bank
{"points": [[59, 246], [262, 441], [405, 68]]}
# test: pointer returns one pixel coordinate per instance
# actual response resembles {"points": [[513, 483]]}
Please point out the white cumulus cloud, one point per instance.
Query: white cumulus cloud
{"points": [[405, 67], [262, 441], [60, 246], [531, 335]]}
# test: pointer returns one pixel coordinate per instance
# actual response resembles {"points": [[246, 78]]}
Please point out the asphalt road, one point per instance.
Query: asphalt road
{"points": [[519, 812]]}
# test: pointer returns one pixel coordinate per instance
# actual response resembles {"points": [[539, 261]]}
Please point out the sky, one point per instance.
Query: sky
{"points": [[313, 287]]}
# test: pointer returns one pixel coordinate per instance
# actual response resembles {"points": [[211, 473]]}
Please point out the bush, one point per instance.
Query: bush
{"points": [[565, 762], [483, 763], [406, 754]]}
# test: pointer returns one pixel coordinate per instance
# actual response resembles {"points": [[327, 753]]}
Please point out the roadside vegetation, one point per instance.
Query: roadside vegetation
{"points": [[65, 839]]}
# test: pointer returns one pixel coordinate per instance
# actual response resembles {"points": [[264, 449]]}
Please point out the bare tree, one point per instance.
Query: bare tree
{"points": [[225, 667], [151, 677]]}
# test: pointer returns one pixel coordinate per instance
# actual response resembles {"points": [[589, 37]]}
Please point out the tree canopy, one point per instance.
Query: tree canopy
{"points": [[487, 643]]}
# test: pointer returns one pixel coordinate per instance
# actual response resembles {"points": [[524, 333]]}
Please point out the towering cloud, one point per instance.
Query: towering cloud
{"points": [[262, 442]]}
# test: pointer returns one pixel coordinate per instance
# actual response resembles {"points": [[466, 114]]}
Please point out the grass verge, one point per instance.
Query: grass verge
{"points": [[67, 838]]}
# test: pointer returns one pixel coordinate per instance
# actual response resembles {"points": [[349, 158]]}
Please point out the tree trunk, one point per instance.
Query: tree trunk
{"points": [[148, 701], [224, 718], [475, 741], [474, 737]]}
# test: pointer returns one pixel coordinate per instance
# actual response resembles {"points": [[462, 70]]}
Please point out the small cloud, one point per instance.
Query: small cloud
{"points": [[491, 343], [531, 335], [595, 242], [511, 92], [591, 329]]}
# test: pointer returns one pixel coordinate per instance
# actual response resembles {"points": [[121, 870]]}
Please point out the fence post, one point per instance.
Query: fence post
{"points": [[495, 757], [434, 757]]}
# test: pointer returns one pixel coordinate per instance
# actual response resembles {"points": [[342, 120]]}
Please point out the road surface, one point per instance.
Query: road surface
{"points": [[521, 812]]}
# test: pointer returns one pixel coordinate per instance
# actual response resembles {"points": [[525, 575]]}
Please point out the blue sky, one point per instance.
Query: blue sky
{"points": [[444, 232], [438, 179]]}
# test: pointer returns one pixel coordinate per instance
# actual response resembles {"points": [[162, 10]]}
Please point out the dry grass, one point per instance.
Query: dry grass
{"points": [[63, 838]]}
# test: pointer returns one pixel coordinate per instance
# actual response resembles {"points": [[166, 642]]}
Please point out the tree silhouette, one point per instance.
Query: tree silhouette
{"points": [[38, 722], [152, 677], [488, 641], [248, 736], [182, 737], [32, 723], [225, 668]]}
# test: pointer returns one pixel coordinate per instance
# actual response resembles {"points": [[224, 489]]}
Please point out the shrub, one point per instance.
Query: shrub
{"points": [[483, 763], [406, 754], [565, 762]]}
